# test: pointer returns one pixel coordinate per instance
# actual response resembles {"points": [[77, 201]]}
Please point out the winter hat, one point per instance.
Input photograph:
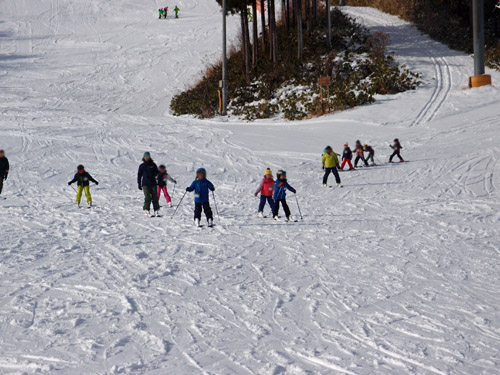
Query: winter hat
{"points": [[283, 173], [162, 167], [346, 145], [201, 170], [147, 155], [268, 172], [328, 148], [80, 167]]}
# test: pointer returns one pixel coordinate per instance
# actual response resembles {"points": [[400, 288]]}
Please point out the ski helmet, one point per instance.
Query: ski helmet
{"points": [[162, 167], [80, 167], [202, 170], [396, 140], [283, 173], [328, 148], [147, 155], [365, 145]]}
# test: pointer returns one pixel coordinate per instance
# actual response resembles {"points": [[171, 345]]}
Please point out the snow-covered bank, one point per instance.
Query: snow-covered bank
{"points": [[396, 273]]}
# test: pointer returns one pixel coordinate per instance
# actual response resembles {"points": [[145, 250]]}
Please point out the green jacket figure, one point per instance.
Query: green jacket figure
{"points": [[176, 10]]}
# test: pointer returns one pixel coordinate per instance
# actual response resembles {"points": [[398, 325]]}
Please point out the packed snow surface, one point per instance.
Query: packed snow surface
{"points": [[396, 273]]}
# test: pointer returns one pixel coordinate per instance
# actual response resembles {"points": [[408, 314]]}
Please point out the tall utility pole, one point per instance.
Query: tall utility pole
{"points": [[478, 30], [329, 15], [224, 59]]}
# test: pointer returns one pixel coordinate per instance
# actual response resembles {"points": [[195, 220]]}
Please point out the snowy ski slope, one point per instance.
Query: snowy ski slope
{"points": [[396, 273]]}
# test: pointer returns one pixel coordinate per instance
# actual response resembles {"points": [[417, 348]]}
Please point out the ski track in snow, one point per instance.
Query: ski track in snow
{"points": [[396, 273]]}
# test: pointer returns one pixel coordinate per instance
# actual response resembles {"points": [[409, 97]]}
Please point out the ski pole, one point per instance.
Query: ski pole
{"points": [[178, 205], [215, 204], [173, 191], [298, 206], [73, 188]]}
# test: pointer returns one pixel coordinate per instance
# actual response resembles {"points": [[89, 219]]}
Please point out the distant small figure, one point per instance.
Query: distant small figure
{"points": [[160, 13], [371, 153], [4, 169], [397, 151], [83, 180], [165, 12], [176, 11]]}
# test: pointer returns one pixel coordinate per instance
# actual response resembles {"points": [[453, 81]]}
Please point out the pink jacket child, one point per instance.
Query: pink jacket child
{"points": [[266, 190], [163, 177]]}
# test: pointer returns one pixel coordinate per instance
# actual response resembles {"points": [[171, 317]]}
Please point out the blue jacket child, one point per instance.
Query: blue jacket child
{"points": [[280, 189], [201, 187]]}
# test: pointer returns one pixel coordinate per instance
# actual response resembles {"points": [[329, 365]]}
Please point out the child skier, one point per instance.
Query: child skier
{"points": [[165, 12], [266, 190], [4, 169], [176, 10], [360, 154], [371, 153], [163, 177], [330, 161], [83, 178], [397, 151], [281, 186], [347, 157], [160, 13], [201, 187]]}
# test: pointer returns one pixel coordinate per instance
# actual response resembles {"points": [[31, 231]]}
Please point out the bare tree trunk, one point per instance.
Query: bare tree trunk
{"points": [[287, 14], [255, 46], [315, 10], [269, 22], [244, 36], [274, 56], [300, 38], [263, 21], [308, 15]]}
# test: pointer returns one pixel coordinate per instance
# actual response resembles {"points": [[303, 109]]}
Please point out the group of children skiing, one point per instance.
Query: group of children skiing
{"points": [[163, 12], [152, 180], [331, 163]]}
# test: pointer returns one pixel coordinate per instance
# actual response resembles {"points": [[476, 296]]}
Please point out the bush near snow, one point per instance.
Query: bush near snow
{"points": [[358, 64]]}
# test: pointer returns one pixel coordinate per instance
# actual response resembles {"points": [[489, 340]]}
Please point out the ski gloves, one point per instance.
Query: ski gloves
{"points": [[140, 187]]}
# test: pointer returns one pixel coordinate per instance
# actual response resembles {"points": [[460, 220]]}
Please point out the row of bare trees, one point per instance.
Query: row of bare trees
{"points": [[296, 14]]}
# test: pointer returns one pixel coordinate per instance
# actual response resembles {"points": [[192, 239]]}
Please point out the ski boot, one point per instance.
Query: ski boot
{"points": [[197, 222], [260, 215], [147, 213], [210, 223]]}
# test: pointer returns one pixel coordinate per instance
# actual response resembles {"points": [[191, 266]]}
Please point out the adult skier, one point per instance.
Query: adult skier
{"points": [[4, 169], [83, 179], [146, 180], [397, 151], [330, 161]]}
